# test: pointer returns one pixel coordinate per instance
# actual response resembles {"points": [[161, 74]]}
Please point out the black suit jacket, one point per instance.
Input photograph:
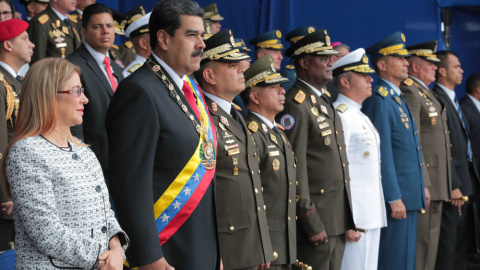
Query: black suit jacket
{"points": [[99, 93], [472, 118], [151, 140], [458, 138]]}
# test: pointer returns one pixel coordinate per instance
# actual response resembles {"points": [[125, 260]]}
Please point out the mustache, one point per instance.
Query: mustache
{"points": [[198, 52]]}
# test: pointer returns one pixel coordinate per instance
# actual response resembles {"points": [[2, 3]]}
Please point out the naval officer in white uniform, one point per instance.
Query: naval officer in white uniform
{"points": [[137, 31], [351, 76]]}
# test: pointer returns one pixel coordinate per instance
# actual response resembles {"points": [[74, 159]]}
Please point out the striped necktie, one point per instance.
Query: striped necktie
{"points": [[460, 114]]}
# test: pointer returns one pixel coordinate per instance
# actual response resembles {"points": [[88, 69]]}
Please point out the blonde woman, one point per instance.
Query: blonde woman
{"points": [[62, 212]]}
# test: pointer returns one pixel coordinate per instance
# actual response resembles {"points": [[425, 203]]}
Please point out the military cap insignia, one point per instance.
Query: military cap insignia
{"points": [[128, 44], [326, 92], [43, 19], [314, 99], [287, 121], [408, 82], [264, 127], [327, 40], [299, 97], [279, 34], [310, 29], [134, 67], [214, 106], [272, 67], [237, 107], [342, 108], [253, 126], [280, 126], [403, 37], [365, 59]]}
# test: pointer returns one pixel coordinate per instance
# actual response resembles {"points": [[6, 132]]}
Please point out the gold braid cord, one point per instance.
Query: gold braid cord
{"points": [[10, 100]]}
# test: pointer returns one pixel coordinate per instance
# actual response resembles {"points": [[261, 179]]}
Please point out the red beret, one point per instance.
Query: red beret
{"points": [[12, 28]]}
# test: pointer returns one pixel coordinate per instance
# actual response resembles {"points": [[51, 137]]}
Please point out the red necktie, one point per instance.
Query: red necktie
{"points": [[190, 98], [106, 62]]}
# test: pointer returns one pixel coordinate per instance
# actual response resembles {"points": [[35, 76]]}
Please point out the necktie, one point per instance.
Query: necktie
{"points": [[469, 145], [326, 99], [234, 114], [67, 22], [187, 91], [275, 128], [106, 62], [19, 78]]}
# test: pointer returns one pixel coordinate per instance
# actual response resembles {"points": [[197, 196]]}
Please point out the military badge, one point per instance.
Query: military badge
{"points": [[325, 91], [287, 121], [280, 126], [324, 109], [58, 23], [397, 99], [314, 99], [272, 67], [65, 30], [321, 118], [407, 126], [299, 97], [274, 153], [279, 34], [264, 127], [327, 141], [366, 154], [342, 108], [432, 109], [327, 40], [311, 29], [227, 135], [253, 126], [230, 141], [284, 139], [323, 125], [224, 120], [434, 121], [235, 170], [326, 132], [235, 160], [230, 147], [315, 111], [221, 126], [433, 114], [273, 138], [234, 152], [214, 106], [276, 165]]}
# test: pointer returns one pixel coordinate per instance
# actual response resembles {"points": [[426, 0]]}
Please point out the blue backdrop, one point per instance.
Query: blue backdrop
{"points": [[356, 23]]}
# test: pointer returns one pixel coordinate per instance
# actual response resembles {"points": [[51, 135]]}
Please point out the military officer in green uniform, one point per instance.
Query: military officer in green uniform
{"points": [[264, 98], [269, 43], [241, 211], [33, 7], [211, 14], [16, 51], [54, 32], [316, 134], [431, 119], [289, 70]]}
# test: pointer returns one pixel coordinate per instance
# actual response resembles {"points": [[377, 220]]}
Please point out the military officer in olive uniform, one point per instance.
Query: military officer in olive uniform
{"points": [[15, 52], [316, 134], [264, 98], [289, 70], [401, 167], [54, 32], [431, 119], [241, 211], [352, 76], [211, 14]]}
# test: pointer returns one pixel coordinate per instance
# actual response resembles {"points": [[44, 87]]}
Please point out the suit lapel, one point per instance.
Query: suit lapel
{"points": [[92, 64]]}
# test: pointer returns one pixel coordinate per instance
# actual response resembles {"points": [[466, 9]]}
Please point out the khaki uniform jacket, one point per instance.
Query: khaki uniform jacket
{"points": [[51, 36], [315, 131], [241, 210], [431, 119], [278, 175], [7, 127]]}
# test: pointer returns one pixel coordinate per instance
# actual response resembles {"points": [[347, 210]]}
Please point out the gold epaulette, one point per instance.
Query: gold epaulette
{"points": [[280, 127], [299, 97], [253, 126], [115, 47], [290, 66], [383, 91], [326, 92], [408, 82], [128, 44], [73, 18], [43, 19], [341, 108], [237, 107], [134, 67]]}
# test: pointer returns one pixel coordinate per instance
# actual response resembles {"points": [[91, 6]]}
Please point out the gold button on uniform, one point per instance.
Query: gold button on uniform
{"points": [[290, 183], [256, 191], [288, 218], [289, 201], [259, 209], [343, 165], [296, 183], [232, 228], [322, 191], [275, 255], [265, 207], [295, 166]]}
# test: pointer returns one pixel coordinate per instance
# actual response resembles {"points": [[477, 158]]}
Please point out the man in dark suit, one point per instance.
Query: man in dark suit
{"points": [[455, 235], [241, 210], [16, 50], [315, 132], [100, 77], [54, 32], [430, 117], [401, 167], [264, 98], [163, 149]]}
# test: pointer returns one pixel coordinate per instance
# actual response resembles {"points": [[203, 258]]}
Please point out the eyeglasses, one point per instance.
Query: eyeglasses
{"points": [[6, 13], [78, 91]]}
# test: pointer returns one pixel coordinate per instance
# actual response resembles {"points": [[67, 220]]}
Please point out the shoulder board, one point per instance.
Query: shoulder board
{"points": [[1, 77], [342, 108], [128, 44], [326, 92], [383, 92], [73, 18], [134, 67], [290, 66], [408, 82], [43, 19], [237, 107], [280, 127], [115, 47], [253, 126], [299, 97]]}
